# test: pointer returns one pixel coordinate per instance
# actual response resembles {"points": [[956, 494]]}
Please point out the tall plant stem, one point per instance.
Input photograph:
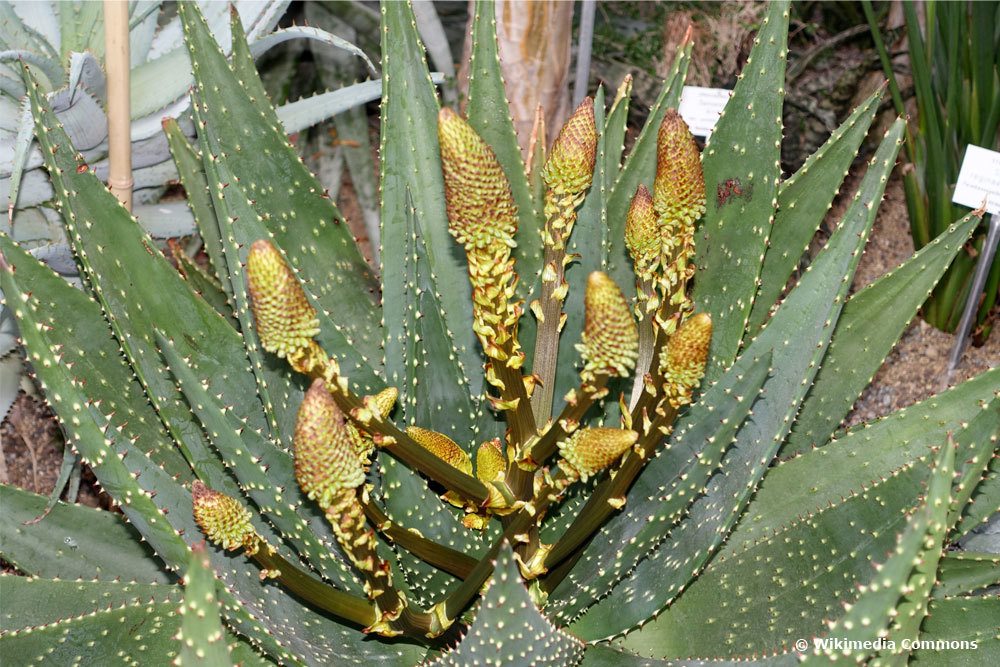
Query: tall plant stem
{"points": [[548, 310], [442, 557], [344, 605], [397, 442]]}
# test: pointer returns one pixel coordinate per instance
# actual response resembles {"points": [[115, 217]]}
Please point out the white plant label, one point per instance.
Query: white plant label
{"points": [[979, 180], [701, 107]]}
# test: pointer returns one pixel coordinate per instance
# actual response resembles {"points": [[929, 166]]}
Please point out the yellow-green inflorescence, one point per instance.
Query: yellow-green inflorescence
{"points": [[223, 519], [482, 216], [286, 321], [590, 450], [683, 359], [610, 339]]}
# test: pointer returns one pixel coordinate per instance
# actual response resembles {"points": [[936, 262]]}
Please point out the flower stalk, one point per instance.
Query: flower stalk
{"points": [[567, 174]]}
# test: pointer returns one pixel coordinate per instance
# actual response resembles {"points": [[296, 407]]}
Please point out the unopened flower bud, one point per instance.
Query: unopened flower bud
{"points": [[286, 321], [610, 340], [326, 457], [570, 167], [590, 450], [224, 520], [679, 189]]}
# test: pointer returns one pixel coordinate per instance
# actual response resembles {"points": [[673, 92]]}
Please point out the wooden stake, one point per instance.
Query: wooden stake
{"points": [[116, 36]]}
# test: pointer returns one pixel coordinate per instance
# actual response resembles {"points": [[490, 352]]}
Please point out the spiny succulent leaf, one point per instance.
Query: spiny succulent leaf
{"points": [[305, 223], [434, 394], [972, 619], [896, 597], [134, 313], [191, 171], [240, 227], [206, 286], [267, 473], [835, 530], [742, 165], [77, 328], [985, 501], [489, 115], [639, 167], [73, 542], [966, 573], [201, 635], [872, 321], [660, 495], [614, 130], [799, 334], [102, 620], [410, 160], [509, 630], [871, 451], [803, 201]]}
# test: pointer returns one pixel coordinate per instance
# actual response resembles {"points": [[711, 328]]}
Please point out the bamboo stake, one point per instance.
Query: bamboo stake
{"points": [[116, 36]]}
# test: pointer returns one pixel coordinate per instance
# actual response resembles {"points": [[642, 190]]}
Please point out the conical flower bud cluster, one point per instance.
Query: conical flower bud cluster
{"points": [[223, 519], [610, 339], [286, 321], [679, 189], [326, 457], [590, 450], [683, 359], [642, 234], [569, 168]]}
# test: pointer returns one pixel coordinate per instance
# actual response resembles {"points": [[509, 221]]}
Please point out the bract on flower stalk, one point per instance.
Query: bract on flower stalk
{"points": [[482, 217]]}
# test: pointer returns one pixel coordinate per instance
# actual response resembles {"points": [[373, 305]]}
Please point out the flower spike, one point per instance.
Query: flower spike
{"points": [[569, 169], [684, 357], [679, 189], [591, 450], [286, 321], [610, 339], [642, 234], [223, 519], [326, 456]]}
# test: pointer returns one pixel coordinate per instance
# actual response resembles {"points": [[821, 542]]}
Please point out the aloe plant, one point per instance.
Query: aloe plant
{"points": [[64, 43], [364, 470]]}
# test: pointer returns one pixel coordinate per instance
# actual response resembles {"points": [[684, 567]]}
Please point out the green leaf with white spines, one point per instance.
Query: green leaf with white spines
{"points": [[798, 335], [815, 535], [304, 222], [966, 573], [73, 542], [872, 322], [804, 199], [489, 116], [201, 637], [411, 161], [192, 175], [509, 630], [742, 166], [433, 396], [897, 596], [60, 621]]}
